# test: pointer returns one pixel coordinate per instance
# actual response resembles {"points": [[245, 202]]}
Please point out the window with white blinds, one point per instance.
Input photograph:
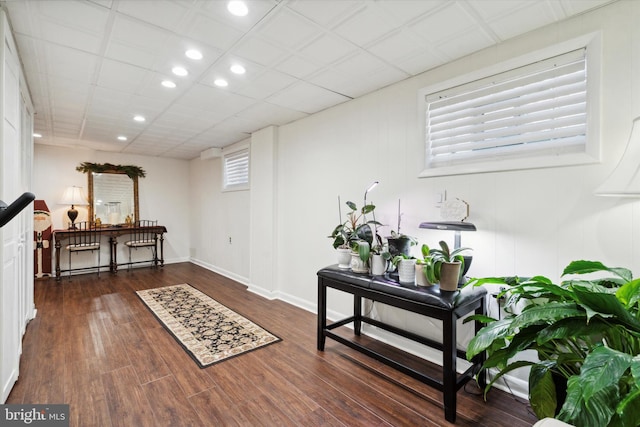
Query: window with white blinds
{"points": [[236, 170], [536, 111]]}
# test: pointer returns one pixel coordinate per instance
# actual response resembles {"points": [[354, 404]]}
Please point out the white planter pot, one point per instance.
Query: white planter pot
{"points": [[358, 265], [344, 258], [449, 276], [378, 265], [421, 279], [407, 271]]}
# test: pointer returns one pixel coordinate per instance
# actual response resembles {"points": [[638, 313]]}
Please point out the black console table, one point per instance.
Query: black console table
{"points": [[427, 301]]}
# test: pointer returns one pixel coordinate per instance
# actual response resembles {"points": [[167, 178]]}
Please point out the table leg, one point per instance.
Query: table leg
{"points": [[161, 250], [113, 256], [449, 367], [357, 314], [57, 246], [322, 313]]}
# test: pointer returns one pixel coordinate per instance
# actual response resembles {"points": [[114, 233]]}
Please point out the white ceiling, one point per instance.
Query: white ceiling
{"points": [[92, 65]]}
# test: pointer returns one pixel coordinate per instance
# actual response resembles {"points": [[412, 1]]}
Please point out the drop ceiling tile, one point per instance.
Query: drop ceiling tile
{"points": [[328, 49], [573, 7], [70, 63], [338, 82], [152, 87], [522, 20], [266, 84], [297, 66], [166, 14], [266, 114], [258, 9], [421, 61], [66, 12], [405, 11], [396, 46], [130, 55], [365, 26], [464, 44], [260, 51], [123, 77], [136, 34], [492, 9], [289, 29], [215, 100], [327, 12], [86, 41], [307, 98], [212, 32], [444, 23]]}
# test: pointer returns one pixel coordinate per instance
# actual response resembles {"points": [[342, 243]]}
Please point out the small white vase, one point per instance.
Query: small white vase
{"points": [[358, 265], [421, 279], [344, 258], [407, 271], [378, 265]]}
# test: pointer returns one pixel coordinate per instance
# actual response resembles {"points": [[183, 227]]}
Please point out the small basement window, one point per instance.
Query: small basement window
{"points": [[536, 115], [236, 170]]}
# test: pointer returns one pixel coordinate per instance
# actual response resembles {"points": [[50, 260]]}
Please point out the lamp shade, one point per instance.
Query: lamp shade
{"points": [[74, 196], [624, 181]]}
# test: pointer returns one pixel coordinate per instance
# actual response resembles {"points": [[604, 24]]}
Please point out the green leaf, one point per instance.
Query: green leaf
{"points": [[368, 208], [546, 313], [629, 293], [487, 335], [628, 410], [542, 391], [352, 206], [586, 267], [480, 318], [606, 304], [597, 412], [602, 368]]}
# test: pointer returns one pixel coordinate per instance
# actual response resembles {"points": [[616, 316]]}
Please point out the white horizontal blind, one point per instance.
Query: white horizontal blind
{"points": [[540, 108], [236, 169]]}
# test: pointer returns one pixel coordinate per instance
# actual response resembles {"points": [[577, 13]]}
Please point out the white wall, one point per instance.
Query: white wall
{"points": [[529, 222], [163, 193], [219, 221]]}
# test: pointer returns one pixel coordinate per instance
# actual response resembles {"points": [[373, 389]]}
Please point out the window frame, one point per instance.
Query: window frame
{"points": [[521, 159], [226, 155]]}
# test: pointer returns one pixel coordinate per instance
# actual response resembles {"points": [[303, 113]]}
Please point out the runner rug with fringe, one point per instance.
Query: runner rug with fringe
{"points": [[209, 331]]}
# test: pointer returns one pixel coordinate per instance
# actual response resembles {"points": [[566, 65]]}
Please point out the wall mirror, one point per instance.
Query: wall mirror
{"points": [[113, 192]]}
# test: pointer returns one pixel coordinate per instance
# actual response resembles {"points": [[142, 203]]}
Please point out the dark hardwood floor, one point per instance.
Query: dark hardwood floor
{"points": [[95, 346]]}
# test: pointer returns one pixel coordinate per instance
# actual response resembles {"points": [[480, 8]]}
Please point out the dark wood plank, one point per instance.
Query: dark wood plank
{"points": [[96, 346]]}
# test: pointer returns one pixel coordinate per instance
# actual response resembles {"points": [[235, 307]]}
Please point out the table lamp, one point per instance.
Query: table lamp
{"points": [[73, 196]]}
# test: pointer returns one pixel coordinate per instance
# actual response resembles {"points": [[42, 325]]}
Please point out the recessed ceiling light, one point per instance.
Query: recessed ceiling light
{"points": [[168, 83], [237, 8], [237, 69], [221, 83], [139, 118], [179, 71], [37, 135], [193, 54], [122, 138]]}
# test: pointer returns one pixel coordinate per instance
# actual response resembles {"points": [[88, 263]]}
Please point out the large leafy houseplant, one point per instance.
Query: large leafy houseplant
{"points": [[586, 332]]}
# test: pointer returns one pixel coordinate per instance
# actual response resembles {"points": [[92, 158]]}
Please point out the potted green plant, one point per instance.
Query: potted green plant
{"points": [[586, 333], [400, 243], [406, 268], [447, 266], [424, 268], [352, 234]]}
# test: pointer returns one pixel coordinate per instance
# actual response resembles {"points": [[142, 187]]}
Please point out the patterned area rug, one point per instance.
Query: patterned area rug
{"points": [[209, 331]]}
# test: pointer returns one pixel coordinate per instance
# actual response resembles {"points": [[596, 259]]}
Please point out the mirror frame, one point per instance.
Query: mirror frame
{"points": [[133, 172], [136, 209]]}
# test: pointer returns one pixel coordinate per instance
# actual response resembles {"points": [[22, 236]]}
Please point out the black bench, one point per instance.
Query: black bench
{"points": [[427, 301]]}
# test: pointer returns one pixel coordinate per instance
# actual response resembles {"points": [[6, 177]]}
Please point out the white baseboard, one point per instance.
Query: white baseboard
{"points": [[240, 279]]}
